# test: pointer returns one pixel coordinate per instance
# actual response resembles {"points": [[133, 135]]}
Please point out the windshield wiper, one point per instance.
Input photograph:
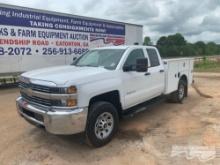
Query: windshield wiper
{"points": [[86, 65], [94, 66]]}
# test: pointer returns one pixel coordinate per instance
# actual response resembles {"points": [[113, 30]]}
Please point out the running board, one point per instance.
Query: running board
{"points": [[143, 106]]}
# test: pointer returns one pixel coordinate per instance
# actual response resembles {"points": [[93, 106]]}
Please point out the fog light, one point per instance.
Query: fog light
{"points": [[71, 102], [71, 90]]}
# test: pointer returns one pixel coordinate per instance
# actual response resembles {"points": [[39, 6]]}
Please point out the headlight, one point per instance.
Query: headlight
{"points": [[69, 102], [71, 90]]}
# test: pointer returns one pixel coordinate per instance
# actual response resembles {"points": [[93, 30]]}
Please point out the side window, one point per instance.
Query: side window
{"points": [[153, 57], [133, 56]]}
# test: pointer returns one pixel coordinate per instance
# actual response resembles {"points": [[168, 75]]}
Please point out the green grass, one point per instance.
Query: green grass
{"points": [[207, 66]]}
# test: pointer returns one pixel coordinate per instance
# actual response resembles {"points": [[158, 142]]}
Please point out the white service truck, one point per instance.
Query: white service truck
{"points": [[92, 93], [32, 38]]}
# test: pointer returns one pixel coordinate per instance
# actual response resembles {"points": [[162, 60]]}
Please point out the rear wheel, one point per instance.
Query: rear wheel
{"points": [[179, 95], [102, 123]]}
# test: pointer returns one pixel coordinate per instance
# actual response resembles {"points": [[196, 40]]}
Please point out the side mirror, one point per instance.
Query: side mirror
{"points": [[142, 65], [127, 68]]}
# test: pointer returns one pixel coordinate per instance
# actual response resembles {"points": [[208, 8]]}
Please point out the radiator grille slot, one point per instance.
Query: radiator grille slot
{"points": [[40, 88], [41, 101]]}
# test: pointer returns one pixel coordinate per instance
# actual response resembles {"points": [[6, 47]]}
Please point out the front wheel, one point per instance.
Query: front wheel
{"points": [[102, 123]]}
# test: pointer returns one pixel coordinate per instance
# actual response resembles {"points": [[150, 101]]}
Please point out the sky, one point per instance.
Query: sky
{"points": [[195, 19]]}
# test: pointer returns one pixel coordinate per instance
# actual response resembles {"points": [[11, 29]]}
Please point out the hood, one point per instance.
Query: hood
{"points": [[64, 74]]}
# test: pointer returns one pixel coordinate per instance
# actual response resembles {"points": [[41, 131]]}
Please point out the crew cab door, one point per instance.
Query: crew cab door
{"points": [[136, 85], [156, 72]]}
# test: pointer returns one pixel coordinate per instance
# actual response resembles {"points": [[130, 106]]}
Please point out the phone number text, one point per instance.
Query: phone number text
{"points": [[43, 51]]}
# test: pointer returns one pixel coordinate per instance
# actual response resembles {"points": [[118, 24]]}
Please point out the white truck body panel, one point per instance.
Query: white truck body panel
{"points": [[136, 86], [174, 69], [13, 59]]}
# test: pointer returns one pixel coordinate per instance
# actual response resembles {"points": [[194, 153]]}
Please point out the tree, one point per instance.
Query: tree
{"points": [[200, 47], [176, 39], [147, 41], [188, 50], [173, 45], [162, 41], [176, 45], [211, 48]]}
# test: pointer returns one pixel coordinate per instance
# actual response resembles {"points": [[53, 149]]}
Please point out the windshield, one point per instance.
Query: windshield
{"points": [[107, 58]]}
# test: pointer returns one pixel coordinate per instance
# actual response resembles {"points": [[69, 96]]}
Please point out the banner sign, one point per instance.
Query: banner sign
{"points": [[24, 32]]}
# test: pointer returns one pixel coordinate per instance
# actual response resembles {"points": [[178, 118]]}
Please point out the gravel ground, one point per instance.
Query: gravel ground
{"points": [[187, 133]]}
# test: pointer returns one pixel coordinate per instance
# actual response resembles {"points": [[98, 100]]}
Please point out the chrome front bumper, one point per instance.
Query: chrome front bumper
{"points": [[55, 121]]}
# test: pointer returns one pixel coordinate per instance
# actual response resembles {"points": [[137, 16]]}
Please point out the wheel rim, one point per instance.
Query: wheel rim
{"points": [[181, 92], [104, 125]]}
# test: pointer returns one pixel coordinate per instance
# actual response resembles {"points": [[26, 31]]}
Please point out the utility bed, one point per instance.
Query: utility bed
{"points": [[174, 68]]}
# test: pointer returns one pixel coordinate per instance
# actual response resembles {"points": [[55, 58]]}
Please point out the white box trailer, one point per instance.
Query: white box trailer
{"points": [[31, 38]]}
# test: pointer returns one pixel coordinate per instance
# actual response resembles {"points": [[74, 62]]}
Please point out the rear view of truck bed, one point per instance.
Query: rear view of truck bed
{"points": [[174, 69]]}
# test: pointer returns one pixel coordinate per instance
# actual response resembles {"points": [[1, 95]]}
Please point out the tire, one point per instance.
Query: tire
{"points": [[179, 95], [102, 123]]}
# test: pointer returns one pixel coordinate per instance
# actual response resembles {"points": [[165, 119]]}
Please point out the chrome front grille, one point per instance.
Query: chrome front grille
{"points": [[41, 101], [40, 88]]}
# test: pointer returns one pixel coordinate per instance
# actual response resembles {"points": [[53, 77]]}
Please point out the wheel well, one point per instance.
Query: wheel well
{"points": [[112, 97], [184, 78]]}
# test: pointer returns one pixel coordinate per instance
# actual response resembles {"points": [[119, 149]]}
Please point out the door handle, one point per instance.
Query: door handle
{"points": [[161, 71], [147, 74]]}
